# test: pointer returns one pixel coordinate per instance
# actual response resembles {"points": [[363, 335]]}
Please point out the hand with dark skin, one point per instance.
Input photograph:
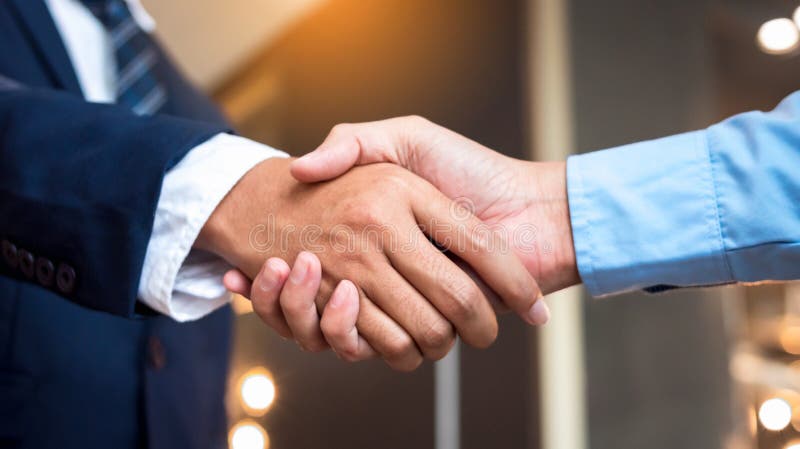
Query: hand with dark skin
{"points": [[368, 226], [527, 200]]}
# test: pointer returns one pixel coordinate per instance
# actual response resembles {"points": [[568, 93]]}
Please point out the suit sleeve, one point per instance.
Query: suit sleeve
{"points": [[79, 185]]}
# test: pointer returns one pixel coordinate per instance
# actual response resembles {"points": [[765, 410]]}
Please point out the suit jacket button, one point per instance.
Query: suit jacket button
{"points": [[25, 260], [10, 254], [65, 278], [45, 271], [156, 354]]}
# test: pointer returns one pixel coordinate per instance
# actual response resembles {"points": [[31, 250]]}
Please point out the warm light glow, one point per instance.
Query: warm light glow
{"points": [[778, 36], [241, 305], [775, 414], [796, 16], [793, 445], [796, 419], [790, 339], [248, 435], [257, 391]]}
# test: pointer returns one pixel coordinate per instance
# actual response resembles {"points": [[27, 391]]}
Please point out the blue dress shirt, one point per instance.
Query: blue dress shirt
{"points": [[709, 207]]}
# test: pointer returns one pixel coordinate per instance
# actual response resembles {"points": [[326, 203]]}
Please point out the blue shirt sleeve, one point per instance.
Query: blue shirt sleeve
{"points": [[709, 207]]}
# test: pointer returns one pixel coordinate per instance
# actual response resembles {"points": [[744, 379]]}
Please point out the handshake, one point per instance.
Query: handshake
{"points": [[402, 234]]}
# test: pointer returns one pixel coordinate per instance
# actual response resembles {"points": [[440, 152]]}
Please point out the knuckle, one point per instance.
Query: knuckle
{"points": [[415, 120], [284, 332], [362, 210], [349, 354], [263, 309], [396, 179], [464, 301], [439, 336], [333, 330], [522, 291], [292, 306], [480, 240], [407, 365], [315, 346], [369, 214], [487, 337], [342, 128], [391, 180], [399, 347]]}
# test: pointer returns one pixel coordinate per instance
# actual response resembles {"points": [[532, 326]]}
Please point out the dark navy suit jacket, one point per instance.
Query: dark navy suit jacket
{"points": [[81, 364]]}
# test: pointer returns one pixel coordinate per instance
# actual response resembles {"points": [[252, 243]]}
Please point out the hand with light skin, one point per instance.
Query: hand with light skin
{"points": [[527, 200], [365, 236]]}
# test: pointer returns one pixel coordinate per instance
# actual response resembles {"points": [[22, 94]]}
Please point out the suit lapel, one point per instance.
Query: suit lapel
{"points": [[47, 41]]}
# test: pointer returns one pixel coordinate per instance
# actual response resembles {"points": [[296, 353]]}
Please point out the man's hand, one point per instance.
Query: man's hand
{"points": [[371, 226], [527, 201]]}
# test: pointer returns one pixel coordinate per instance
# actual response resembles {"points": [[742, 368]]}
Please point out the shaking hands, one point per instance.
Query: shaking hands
{"points": [[372, 269]]}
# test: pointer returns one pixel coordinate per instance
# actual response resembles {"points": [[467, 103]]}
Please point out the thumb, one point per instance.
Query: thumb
{"points": [[337, 154], [352, 144]]}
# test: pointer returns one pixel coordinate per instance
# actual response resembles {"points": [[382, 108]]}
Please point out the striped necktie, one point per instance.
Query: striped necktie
{"points": [[137, 84]]}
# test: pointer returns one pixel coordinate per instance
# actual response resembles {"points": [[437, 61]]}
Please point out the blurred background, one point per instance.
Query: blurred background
{"points": [[533, 79]]}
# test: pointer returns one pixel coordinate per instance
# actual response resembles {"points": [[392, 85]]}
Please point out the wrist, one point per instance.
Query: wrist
{"points": [[567, 262], [557, 264], [226, 232]]}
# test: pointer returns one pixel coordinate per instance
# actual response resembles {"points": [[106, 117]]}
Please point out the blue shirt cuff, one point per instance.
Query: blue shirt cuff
{"points": [[645, 215]]}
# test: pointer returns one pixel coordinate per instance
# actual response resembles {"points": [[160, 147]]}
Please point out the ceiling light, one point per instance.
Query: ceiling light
{"points": [[778, 36]]}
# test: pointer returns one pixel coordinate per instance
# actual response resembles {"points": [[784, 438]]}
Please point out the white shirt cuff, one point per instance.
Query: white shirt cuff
{"points": [[176, 280]]}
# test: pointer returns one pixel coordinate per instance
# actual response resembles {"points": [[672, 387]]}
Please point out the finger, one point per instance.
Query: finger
{"points": [[486, 250], [236, 282], [495, 301], [432, 332], [266, 292], [298, 302], [338, 324], [391, 342], [541, 310], [448, 288], [348, 145]]}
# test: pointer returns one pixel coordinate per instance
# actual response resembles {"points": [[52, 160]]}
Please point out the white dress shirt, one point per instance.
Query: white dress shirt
{"points": [[176, 280]]}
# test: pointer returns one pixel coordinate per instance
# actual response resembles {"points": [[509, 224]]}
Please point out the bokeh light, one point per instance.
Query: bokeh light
{"points": [[796, 17], [790, 339], [248, 435], [778, 36], [241, 305], [257, 391], [775, 414]]}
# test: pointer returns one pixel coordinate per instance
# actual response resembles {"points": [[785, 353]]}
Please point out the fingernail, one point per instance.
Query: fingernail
{"points": [[341, 292], [269, 277], [336, 300], [539, 313], [300, 270], [307, 157]]}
